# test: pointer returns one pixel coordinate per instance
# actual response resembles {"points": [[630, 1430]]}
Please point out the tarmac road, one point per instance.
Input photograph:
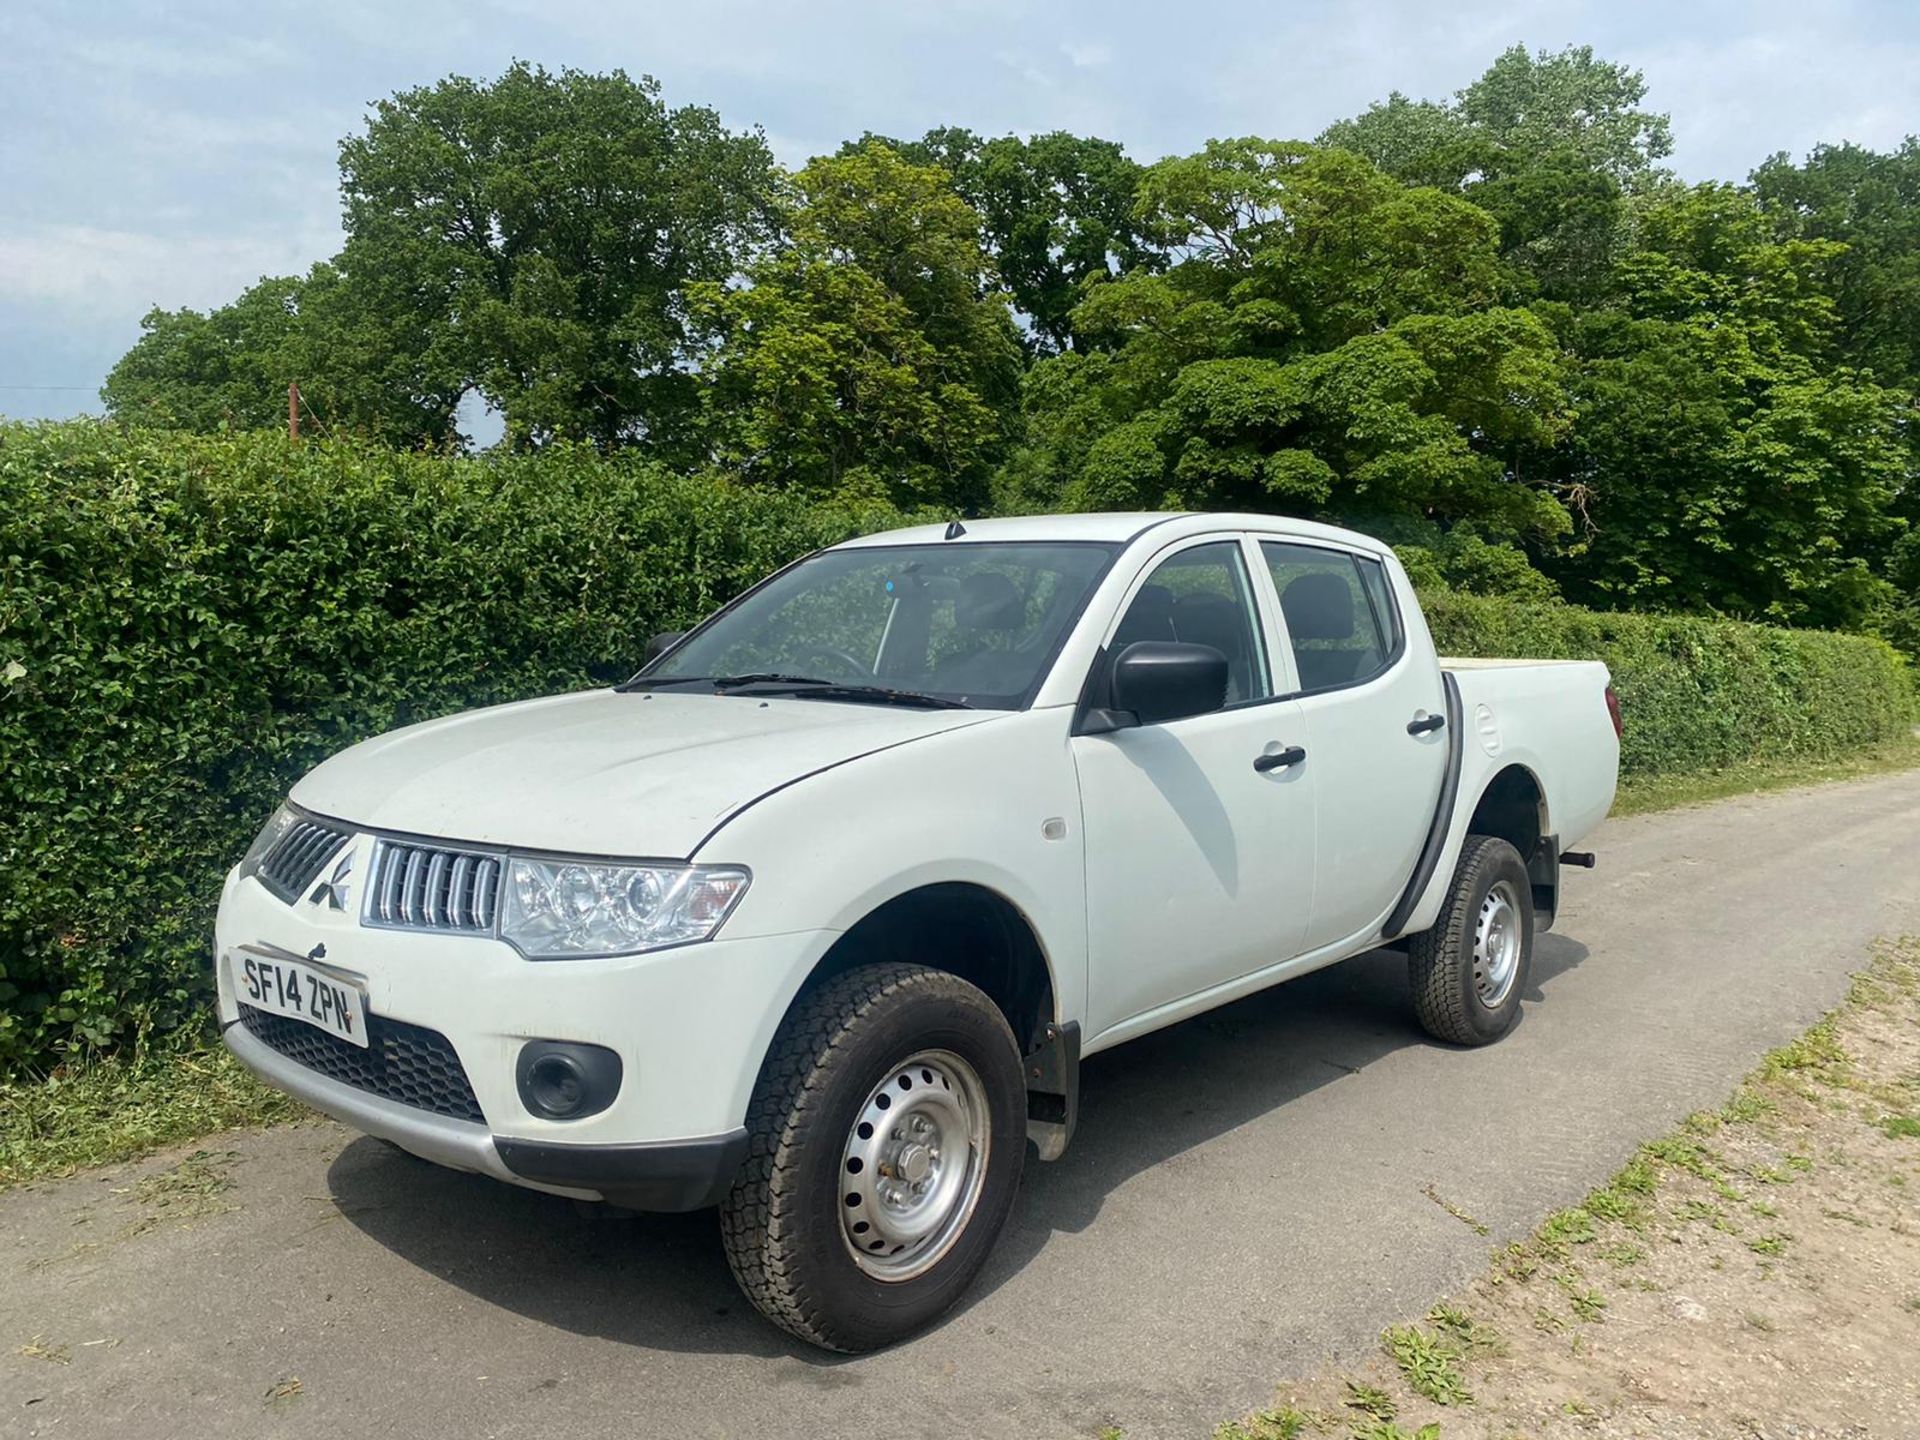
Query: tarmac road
{"points": [[1249, 1195]]}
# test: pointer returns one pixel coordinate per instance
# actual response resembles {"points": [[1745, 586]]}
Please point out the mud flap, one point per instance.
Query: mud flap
{"points": [[1053, 1089], [1543, 872]]}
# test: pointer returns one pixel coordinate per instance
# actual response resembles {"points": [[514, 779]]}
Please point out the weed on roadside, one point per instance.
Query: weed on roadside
{"points": [[1587, 1303], [1566, 1228], [1370, 1400], [1471, 1336], [1388, 1430], [1281, 1423], [1429, 1362]]}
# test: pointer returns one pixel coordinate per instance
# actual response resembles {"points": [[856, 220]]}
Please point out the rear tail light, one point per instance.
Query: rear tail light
{"points": [[1613, 714]]}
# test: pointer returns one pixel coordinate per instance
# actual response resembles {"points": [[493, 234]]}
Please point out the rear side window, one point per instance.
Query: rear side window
{"points": [[1339, 612]]}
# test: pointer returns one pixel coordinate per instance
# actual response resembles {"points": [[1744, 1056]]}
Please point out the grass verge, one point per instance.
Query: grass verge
{"points": [[1642, 794], [121, 1107], [1751, 1273]]}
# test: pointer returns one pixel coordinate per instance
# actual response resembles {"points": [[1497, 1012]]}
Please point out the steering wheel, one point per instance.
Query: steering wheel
{"points": [[821, 650]]}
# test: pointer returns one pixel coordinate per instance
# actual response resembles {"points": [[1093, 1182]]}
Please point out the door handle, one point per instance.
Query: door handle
{"points": [[1280, 759], [1424, 723]]}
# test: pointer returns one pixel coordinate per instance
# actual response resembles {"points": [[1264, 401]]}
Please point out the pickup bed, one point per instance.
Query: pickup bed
{"points": [[815, 918]]}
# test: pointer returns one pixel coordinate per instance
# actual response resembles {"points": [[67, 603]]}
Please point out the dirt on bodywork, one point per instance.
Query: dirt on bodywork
{"points": [[1754, 1274]]}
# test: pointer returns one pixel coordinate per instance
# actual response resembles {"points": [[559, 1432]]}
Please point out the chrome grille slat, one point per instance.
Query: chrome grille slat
{"points": [[389, 892], [432, 887], [298, 857], [485, 887], [457, 897], [413, 891], [435, 891]]}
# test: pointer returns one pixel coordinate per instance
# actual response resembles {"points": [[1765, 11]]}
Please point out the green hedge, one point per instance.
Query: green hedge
{"points": [[1702, 694], [189, 623]]}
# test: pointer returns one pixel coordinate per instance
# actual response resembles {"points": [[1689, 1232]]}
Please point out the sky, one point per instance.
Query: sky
{"points": [[170, 153]]}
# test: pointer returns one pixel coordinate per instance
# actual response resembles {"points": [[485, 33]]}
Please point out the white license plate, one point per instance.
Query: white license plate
{"points": [[284, 986]]}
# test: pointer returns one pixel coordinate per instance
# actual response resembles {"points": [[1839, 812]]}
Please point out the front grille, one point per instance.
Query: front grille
{"points": [[421, 887], [297, 857], [408, 1063]]}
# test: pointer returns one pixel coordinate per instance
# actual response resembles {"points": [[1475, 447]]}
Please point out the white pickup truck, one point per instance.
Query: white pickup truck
{"points": [[815, 918]]}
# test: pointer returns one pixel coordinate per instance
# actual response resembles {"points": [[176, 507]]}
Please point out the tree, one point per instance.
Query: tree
{"points": [[1327, 342], [532, 240], [360, 368], [1548, 144], [226, 368], [872, 353], [536, 238], [1720, 459], [1057, 214], [1870, 203]]}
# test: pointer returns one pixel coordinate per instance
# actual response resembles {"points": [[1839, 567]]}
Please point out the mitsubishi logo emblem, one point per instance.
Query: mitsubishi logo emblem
{"points": [[334, 890]]}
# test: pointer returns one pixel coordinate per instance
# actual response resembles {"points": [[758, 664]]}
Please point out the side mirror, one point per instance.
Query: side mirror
{"points": [[663, 642], [1160, 680]]}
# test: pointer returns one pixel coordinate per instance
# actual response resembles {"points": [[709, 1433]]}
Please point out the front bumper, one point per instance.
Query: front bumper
{"points": [[671, 1175], [691, 1026]]}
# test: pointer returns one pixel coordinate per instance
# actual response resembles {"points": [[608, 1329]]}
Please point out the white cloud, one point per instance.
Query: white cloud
{"points": [[97, 275], [1799, 82]]}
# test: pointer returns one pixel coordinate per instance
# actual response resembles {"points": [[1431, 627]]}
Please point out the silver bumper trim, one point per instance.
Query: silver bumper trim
{"points": [[457, 1144]]}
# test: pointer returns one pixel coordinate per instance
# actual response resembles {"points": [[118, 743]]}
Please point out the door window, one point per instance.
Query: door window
{"points": [[1200, 596], [1339, 613]]}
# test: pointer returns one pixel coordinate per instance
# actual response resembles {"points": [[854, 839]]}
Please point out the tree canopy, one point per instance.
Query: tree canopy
{"points": [[872, 352], [1492, 327]]}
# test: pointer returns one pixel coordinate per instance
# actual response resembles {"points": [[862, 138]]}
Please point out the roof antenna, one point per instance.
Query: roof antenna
{"points": [[954, 530]]}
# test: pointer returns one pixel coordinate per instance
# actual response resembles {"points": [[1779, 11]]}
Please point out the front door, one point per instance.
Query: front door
{"points": [[1375, 782], [1200, 867]]}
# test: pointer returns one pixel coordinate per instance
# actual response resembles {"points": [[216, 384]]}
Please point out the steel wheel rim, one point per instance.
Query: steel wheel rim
{"points": [[914, 1165], [1497, 939]]}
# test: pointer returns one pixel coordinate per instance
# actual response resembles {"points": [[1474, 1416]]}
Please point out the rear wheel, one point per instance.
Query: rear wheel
{"points": [[887, 1138], [1469, 970]]}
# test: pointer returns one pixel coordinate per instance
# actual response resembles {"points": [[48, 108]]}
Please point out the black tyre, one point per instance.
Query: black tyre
{"points": [[1469, 970], [888, 1131]]}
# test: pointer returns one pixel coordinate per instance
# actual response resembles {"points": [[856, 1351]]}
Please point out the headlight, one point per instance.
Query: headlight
{"points": [[556, 909], [268, 837]]}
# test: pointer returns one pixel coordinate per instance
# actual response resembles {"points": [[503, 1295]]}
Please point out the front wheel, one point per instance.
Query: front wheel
{"points": [[887, 1137], [1469, 970]]}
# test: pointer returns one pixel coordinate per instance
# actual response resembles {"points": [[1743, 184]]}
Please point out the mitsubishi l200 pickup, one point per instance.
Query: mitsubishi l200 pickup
{"points": [[815, 918]]}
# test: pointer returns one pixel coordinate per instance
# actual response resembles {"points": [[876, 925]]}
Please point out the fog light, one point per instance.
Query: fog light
{"points": [[563, 1080]]}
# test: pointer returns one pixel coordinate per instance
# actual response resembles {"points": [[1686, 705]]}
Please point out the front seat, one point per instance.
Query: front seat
{"points": [[1319, 606], [1208, 619], [987, 605]]}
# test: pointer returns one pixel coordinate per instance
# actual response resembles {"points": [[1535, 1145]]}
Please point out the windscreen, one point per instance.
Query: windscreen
{"points": [[977, 622]]}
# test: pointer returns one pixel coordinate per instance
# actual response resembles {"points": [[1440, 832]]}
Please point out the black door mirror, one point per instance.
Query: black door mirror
{"points": [[663, 642], [1161, 680]]}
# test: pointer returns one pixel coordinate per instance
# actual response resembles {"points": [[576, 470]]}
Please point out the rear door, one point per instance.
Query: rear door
{"points": [[1199, 866], [1367, 701]]}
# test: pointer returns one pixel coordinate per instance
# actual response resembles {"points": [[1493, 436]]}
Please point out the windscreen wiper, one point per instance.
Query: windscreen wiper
{"points": [[805, 685], [810, 686]]}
